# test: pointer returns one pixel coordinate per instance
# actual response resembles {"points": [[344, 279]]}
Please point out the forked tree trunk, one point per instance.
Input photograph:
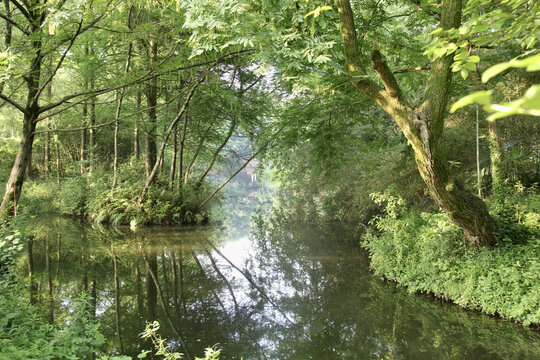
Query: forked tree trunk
{"points": [[423, 126]]}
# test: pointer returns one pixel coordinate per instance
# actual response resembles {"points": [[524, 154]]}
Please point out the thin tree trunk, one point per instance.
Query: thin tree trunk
{"points": [[151, 291], [181, 277], [151, 177], [8, 35], [478, 174], [197, 151], [91, 131], [495, 152], [175, 281], [136, 148], [173, 159], [83, 148], [140, 300], [216, 154], [84, 144], [153, 275], [58, 164], [47, 140], [495, 157], [151, 99], [117, 122], [181, 152], [32, 286]]}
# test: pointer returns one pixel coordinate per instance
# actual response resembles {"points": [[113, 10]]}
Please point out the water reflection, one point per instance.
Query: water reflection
{"points": [[283, 291]]}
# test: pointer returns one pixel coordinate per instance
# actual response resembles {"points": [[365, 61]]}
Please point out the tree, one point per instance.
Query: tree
{"points": [[64, 24], [303, 45]]}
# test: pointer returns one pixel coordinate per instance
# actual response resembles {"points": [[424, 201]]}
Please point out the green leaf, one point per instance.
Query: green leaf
{"points": [[474, 59], [494, 71], [481, 97], [470, 66], [531, 99]]}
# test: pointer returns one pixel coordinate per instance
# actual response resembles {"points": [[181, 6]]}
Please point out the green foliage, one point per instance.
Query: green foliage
{"points": [[24, 335], [93, 197], [426, 252], [8, 149], [150, 332], [528, 104], [11, 244], [74, 196]]}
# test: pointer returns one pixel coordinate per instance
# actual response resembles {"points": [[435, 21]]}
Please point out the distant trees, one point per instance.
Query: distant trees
{"points": [[112, 72]]}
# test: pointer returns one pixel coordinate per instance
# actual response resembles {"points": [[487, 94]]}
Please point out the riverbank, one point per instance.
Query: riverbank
{"points": [[425, 252], [93, 199]]}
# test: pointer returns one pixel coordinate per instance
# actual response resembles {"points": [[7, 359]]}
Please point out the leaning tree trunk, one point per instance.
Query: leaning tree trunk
{"points": [[18, 171], [422, 126]]}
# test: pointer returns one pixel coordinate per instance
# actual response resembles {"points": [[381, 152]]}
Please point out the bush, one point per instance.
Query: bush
{"points": [[25, 335], [74, 196], [426, 252]]}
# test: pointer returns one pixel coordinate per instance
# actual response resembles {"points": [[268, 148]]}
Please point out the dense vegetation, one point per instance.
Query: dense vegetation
{"points": [[140, 112]]}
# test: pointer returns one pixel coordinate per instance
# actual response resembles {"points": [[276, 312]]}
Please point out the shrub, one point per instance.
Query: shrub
{"points": [[426, 252]]}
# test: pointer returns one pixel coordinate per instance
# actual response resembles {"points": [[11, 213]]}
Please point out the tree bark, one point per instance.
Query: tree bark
{"points": [[151, 100], [91, 130], [422, 126], [181, 151], [117, 119], [47, 140], [31, 112], [136, 148], [495, 157], [173, 159]]}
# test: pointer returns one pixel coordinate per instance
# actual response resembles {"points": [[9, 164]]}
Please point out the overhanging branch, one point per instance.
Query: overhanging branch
{"points": [[14, 103]]}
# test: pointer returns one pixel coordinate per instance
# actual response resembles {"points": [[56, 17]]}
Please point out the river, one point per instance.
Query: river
{"points": [[259, 289]]}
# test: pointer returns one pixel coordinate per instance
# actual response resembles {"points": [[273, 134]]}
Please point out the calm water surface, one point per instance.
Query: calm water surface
{"points": [[272, 290]]}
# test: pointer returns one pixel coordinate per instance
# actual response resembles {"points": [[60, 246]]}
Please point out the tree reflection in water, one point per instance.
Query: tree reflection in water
{"points": [[292, 291]]}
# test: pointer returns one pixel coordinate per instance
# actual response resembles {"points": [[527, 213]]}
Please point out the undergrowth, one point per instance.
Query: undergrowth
{"points": [[426, 252], [92, 197]]}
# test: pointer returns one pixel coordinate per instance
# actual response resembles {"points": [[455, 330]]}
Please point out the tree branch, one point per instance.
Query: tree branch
{"points": [[147, 76], [353, 66], [106, 123], [22, 9], [430, 11], [14, 103], [53, 73], [412, 69], [381, 67], [14, 23]]}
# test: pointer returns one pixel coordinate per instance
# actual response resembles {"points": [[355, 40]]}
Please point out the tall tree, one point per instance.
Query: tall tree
{"points": [[304, 47]]}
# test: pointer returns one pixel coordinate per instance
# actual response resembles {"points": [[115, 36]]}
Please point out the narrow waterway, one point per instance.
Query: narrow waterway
{"points": [[271, 290]]}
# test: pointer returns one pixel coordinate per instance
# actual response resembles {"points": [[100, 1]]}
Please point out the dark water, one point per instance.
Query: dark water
{"points": [[276, 291]]}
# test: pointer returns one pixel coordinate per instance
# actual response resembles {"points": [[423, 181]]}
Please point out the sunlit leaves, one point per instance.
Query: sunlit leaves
{"points": [[531, 63], [481, 97], [529, 104]]}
